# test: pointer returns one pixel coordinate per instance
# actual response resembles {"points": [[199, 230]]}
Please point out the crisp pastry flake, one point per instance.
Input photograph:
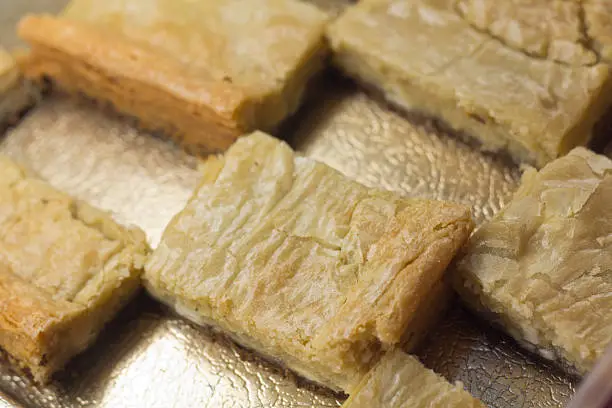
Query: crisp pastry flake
{"points": [[66, 268], [296, 261], [401, 381], [542, 268]]}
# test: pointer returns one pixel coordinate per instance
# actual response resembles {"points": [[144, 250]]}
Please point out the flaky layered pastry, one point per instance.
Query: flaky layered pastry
{"points": [[65, 270], [309, 268], [521, 76], [15, 95], [542, 268], [201, 71], [401, 381]]}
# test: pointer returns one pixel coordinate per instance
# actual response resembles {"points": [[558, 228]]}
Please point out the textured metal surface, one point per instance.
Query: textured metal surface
{"points": [[6, 403], [368, 142], [149, 358]]}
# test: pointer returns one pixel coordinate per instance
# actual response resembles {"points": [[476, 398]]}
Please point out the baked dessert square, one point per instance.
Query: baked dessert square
{"points": [[15, 94], [303, 265], [65, 270], [203, 72], [517, 76], [401, 381], [542, 267]]}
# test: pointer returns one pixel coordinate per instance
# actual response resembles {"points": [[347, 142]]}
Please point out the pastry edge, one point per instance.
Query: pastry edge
{"points": [[44, 345], [429, 313], [412, 360], [535, 340], [43, 351], [62, 51], [407, 96], [473, 298], [112, 72]]}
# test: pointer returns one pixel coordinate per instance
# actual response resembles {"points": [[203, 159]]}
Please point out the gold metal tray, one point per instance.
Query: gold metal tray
{"points": [[150, 358]]}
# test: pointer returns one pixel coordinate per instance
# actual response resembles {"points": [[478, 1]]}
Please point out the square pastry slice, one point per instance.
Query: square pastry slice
{"points": [[65, 270], [542, 268], [298, 262], [201, 71], [516, 76], [401, 381], [15, 94]]}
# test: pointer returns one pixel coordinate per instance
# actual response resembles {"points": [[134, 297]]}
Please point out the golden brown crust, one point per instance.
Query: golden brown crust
{"points": [[28, 321], [66, 268], [133, 79], [422, 264], [304, 265], [419, 246], [203, 73]]}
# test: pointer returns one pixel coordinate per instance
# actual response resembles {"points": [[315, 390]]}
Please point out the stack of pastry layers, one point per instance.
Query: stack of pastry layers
{"points": [[285, 254]]}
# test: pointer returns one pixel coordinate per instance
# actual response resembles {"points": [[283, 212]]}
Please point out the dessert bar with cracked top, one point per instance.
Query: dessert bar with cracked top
{"points": [[66, 268], [300, 263], [201, 71], [401, 381], [15, 94], [522, 76], [542, 267]]}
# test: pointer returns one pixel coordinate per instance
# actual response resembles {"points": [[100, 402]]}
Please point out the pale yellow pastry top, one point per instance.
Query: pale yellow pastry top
{"points": [[252, 44], [576, 32], [544, 263], [401, 381], [548, 29], [313, 268], [540, 86]]}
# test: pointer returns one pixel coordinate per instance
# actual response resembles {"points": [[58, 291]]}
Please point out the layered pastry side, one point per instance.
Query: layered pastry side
{"points": [[15, 93], [529, 77], [303, 265], [542, 268], [399, 380], [203, 72], [65, 270]]}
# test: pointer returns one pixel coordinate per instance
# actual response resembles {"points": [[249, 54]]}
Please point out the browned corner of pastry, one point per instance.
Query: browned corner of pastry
{"points": [[54, 301], [202, 80]]}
